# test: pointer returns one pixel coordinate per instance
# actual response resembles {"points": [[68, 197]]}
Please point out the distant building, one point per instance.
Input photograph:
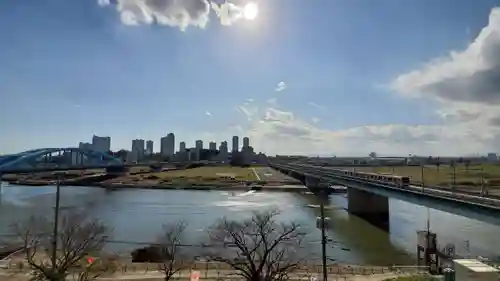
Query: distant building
{"points": [[212, 146], [182, 146], [223, 151], [246, 142], [492, 157], [101, 144], [149, 147], [199, 144], [85, 146], [167, 146], [235, 144], [137, 152]]}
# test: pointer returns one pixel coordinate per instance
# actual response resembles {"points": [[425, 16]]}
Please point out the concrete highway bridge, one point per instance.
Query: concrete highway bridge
{"points": [[368, 196]]}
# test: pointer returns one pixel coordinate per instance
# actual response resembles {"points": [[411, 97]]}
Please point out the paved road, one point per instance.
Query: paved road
{"points": [[269, 174]]}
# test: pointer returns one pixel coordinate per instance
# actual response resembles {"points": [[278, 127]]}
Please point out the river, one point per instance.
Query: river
{"points": [[138, 215]]}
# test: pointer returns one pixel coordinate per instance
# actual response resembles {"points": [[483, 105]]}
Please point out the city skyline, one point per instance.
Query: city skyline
{"points": [[344, 78], [167, 145]]}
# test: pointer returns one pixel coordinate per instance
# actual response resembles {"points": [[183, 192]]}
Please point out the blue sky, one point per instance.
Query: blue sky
{"points": [[359, 75]]}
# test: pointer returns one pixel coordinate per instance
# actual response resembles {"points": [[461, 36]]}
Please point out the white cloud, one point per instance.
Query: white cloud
{"points": [[175, 13], [315, 105], [208, 113], [103, 2], [315, 120], [278, 131], [466, 82], [281, 86], [228, 13], [272, 100]]}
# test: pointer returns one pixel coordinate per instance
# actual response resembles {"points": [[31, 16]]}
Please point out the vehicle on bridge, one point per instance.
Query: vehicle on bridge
{"points": [[399, 181]]}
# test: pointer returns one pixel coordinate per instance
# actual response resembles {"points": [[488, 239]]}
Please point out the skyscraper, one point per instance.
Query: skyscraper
{"points": [[199, 144], [246, 142], [167, 145], [137, 149], [149, 147], [101, 144], [182, 146], [235, 144], [212, 146], [171, 144]]}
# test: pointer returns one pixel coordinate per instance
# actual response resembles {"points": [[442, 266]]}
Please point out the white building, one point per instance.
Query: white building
{"points": [[101, 144], [149, 147], [137, 152], [235, 144], [167, 146]]}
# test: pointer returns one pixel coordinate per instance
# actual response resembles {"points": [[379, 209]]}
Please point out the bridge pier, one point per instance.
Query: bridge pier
{"points": [[370, 207], [311, 182]]}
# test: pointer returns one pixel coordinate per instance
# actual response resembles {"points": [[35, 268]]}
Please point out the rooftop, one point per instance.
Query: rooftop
{"points": [[475, 265]]}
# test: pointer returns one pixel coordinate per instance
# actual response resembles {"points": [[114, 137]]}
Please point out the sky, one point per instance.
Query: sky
{"points": [[318, 77]]}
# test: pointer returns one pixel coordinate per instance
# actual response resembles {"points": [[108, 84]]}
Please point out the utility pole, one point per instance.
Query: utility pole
{"points": [[56, 220], [1, 185], [483, 193], [422, 176], [323, 235], [454, 175], [467, 248]]}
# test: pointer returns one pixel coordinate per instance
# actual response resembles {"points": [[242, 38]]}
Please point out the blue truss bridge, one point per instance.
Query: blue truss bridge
{"points": [[52, 159]]}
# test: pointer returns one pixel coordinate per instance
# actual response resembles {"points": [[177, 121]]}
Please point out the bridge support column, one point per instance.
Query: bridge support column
{"points": [[370, 207], [311, 182]]}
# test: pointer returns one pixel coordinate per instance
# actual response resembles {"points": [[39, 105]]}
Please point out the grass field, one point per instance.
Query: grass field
{"points": [[461, 175], [202, 174]]}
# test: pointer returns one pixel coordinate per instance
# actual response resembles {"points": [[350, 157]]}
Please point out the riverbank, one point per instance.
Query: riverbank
{"points": [[200, 178]]}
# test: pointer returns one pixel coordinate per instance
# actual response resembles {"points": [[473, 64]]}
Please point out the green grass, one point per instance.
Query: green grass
{"points": [[443, 176]]}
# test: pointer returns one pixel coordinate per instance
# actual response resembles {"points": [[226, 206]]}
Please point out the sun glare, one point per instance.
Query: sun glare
{"points": [[250, 11]]}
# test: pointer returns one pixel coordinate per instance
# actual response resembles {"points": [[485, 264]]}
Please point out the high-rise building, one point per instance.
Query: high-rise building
{"points": [[199, 144], [182, 146], [223, 147], [246, 142], [212, 145], [235, 144], [167, 146], [223, 151], [137, 152], [149, 147], [85, 146], [101, 144]]}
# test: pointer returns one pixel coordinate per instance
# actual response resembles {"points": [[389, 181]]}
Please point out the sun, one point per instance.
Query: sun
{"points": [[250, 11]]}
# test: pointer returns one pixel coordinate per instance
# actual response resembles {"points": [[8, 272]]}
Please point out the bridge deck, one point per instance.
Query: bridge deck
{"points": [[476, 207]]}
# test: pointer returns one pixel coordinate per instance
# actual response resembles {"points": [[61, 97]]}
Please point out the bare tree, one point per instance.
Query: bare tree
{"points": [[78, 236], [259, 248], [173, 258]]}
